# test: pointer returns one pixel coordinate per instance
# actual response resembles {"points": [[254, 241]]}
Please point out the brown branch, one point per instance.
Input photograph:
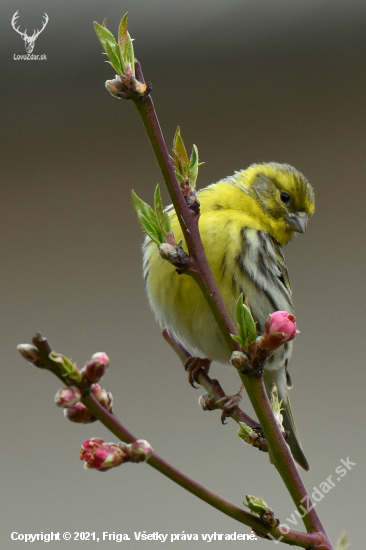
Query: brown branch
{"points": [[212, 386], [40, 356], [282, 457]]}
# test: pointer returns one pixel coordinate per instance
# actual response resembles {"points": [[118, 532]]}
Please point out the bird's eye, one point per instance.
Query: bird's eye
{"points": [[285, 197]]}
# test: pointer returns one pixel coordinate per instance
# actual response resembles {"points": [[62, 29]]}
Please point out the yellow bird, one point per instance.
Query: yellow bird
{"points": [[245, 221]]}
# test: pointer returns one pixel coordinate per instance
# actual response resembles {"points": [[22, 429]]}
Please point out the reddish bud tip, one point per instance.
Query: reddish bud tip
{"points": [[105, 398], [280, 327], [96, 367], [79, 413], [169, 238], [282, 321], [66, 397], [140, 451], [101, 455]]}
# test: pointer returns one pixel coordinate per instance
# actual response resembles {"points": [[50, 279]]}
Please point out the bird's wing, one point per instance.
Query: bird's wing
{"points": [[281, 265], [261, 260]]}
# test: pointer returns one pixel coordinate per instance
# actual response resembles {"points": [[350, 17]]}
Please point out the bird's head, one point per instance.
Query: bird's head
{"points": [[284, 195]]}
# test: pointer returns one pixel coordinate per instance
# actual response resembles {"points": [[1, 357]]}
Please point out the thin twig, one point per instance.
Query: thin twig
{"points": [[303, 540], [282, 457], [212, 386], [110, 421]]}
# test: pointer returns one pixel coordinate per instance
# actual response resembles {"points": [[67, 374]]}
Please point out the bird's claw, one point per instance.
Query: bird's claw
{"points": [[193, 365], [229, 402]]}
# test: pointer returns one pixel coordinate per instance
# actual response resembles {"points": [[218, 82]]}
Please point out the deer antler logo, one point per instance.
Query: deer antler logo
{"points": [[28, 40]]}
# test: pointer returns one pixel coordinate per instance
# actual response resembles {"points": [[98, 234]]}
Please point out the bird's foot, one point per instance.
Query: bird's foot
{"points": [[193, 365], [229, 402]]}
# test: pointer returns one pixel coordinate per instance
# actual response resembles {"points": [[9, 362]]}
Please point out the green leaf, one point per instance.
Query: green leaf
{"points": [[178, 173], [180, 151], [237, 339], [129, 56], [193, 165], [123, 33], [67, 367], [250, 325], [193, 161], [159, 211], [167, 225], [275, 401], [246, 433], [110, 46], [150, 229], [342, 544], [256, 505], [111, 49], [125, 45], [240, 317], [247, 328], [144, 208], [104, 34]]}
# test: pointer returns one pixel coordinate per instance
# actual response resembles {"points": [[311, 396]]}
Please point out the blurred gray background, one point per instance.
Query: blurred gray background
{"points": [[247, 81]]}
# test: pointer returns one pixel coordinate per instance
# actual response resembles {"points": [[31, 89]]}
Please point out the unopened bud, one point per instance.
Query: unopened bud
{"points": [[207, 402], [101, 455], [140, 451], [252, 437], [128, 87], [66, 397], [116, 88], [258, 506], [276, 407], [29, 352], [169, 238], [168, 252], [79, 413], [66, 367], [105, 398], [280, 327], [96, 367], [282, 321], [240, 361], [246, 433]]}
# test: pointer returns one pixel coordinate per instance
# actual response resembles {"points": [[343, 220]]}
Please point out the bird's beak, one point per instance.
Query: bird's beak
{"points": [[297, 221]]}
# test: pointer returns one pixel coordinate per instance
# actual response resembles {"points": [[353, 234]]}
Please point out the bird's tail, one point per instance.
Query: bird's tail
{"points": [[288, 421], [293, 438]]}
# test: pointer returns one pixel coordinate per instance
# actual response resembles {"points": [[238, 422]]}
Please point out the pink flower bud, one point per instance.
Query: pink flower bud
{"points": [[140, 451], [67, 396], [101, 455], [280, 327], [96, 367], [105, 398], [79, 413], [282, 321]]}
